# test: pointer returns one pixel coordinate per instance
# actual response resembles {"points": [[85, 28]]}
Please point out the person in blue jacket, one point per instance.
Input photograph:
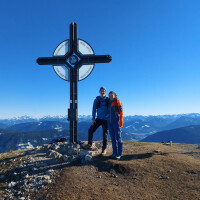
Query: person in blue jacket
{"points": [[115, 122], [100, 108]]}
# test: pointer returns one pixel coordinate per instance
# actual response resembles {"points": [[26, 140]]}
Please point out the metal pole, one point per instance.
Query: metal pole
{"points": [[73, 37], [73, 111], [76, 104], [70, 111]]}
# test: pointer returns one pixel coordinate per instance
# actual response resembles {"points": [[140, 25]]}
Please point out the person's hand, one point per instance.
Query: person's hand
{"points": [[93, 122]]}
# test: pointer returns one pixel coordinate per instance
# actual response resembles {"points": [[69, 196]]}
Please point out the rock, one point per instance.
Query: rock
{"points": [[95, 148], [51, 171], [73, 151], [2, 176], [29, 158], [45, 146], [55, 154], [47, 177], [66, 158], [97, 145], [63, 149], [34, 169], [55, 146], [47, 182], [77, 146], [114, 176], [92, 153], [74, 157], [37, 179], [163, 177], [30, 165], [19, 167], [157, 151], [11, 184], [88, 157], [71, 146], [83, 153], [39, 148], [191, 172], [27, 176]]}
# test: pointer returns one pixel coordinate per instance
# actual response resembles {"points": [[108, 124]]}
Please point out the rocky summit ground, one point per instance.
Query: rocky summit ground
{"points": [[146, 171]]}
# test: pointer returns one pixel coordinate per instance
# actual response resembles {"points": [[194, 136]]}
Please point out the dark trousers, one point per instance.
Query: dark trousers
{"points": [[93, 128]]}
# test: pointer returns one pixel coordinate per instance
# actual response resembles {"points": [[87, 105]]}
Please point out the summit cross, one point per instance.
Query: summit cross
{"points": [[73, 60]]}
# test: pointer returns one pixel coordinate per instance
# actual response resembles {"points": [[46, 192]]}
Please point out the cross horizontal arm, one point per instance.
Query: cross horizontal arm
{"points": [[56, 60], [89, 59]]}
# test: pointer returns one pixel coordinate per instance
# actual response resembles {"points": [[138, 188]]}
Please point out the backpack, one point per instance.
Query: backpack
{"points": [[98, 103], [58, 140]]}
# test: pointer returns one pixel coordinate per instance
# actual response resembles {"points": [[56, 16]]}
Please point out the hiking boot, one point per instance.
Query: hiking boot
{"points": [[118, 157], [112, 156], [103, 153], [87, 146]]}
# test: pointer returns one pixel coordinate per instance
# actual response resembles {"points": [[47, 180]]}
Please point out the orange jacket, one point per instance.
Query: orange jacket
{"points": [[116, 109]]}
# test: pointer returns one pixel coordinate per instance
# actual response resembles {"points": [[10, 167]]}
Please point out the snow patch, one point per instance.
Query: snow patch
{"points": [[128, 126], [27, 145], [39, 123], [145, 126], [59, 128]]}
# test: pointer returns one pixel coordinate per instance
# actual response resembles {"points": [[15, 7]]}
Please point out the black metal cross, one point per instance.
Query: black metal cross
{"points": [[73, 59]]}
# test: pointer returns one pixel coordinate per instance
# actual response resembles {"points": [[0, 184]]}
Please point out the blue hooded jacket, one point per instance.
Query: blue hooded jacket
{"points": [[102, 111]]}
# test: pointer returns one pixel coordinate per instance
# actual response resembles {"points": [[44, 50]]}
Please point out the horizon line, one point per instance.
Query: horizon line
{"points": [[63, 116]]}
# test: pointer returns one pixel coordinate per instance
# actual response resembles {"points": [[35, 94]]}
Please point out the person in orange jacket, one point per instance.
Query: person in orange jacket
{"points": [[115, 121]]}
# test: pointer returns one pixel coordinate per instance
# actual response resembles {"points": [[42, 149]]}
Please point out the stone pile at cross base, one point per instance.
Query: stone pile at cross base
{"points": [[40, 165]]}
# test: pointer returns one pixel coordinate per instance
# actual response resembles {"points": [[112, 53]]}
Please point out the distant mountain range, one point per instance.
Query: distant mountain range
{"points": [[136, 128], [188, 135], [40, 126], [183, 121], [132, 124], [26, 119]]}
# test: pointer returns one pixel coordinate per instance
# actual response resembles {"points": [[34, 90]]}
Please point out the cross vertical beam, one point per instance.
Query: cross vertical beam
{"points": [[73, 111], [73, 37]]}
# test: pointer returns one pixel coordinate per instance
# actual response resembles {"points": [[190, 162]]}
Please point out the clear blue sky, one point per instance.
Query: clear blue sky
{"points": [[155, 46]]}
